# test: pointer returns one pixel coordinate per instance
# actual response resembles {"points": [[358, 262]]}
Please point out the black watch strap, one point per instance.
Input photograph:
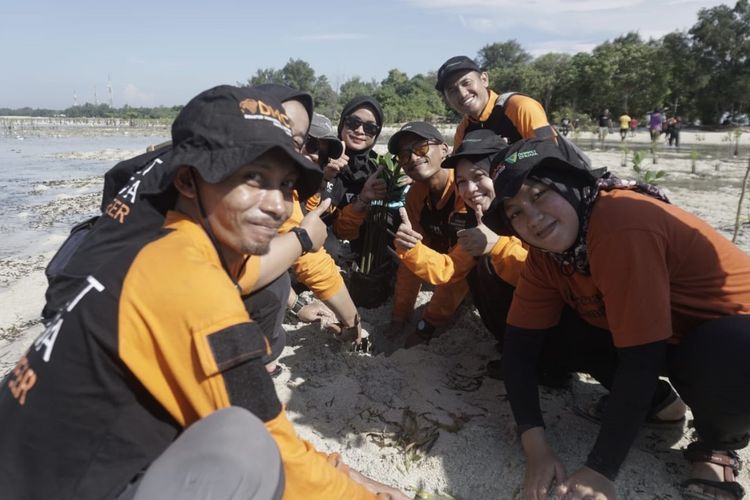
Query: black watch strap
{"points": [[304, 239]]}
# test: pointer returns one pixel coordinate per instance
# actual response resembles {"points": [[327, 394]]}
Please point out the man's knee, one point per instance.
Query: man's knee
{"points": [[226, 455]]}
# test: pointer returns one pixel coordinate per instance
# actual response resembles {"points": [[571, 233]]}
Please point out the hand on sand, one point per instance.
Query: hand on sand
{"points": [[316, 311]]}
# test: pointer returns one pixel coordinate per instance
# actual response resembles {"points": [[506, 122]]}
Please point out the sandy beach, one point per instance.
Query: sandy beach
{"points": [[427, 418]]}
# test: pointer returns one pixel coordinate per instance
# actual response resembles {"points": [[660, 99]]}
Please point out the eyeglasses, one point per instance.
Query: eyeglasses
{"points": [[421, 148], [369, 128]]}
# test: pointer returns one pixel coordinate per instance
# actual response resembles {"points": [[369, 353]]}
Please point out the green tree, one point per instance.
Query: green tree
{"points": [[721, 43], [354, 87], [503, 55]]}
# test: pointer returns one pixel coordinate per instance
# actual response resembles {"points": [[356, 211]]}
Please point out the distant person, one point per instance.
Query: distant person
{"points": [[605, 125], [633, 126], [624, 125], [565, 126], [654, 290], [154, 372], [674, 124], [655, 125]]}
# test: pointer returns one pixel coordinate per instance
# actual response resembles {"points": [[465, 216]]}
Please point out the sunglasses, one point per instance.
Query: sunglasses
{"points": [[421, 148], [369, 128]]}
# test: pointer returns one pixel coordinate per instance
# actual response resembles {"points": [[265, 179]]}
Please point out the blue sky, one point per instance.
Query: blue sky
{"points": [[164, 52]]}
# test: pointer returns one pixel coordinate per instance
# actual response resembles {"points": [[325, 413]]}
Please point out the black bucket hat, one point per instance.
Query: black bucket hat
{"points": [[226, 127], [517, 163], [421, 129], [285, 93], [482, 146], [454, 65]]}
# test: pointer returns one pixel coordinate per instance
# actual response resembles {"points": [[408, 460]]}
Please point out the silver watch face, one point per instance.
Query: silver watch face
{"points": [[421, 325]]}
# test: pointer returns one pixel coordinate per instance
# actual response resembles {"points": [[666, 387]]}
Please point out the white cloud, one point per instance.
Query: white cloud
{"points": [[569, 25], [133, 96], [330, 36]]}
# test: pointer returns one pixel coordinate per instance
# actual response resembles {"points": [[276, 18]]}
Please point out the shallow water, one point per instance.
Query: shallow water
{"points": [[39, 170]]}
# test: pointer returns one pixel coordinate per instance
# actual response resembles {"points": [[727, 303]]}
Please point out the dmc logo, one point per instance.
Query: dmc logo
{"points": [[520, 156], [249, 106], [253, 107]]}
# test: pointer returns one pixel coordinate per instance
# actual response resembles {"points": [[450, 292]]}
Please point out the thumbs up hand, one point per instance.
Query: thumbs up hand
{"points": [[406, 237], [479, 240], [375, 187], [315, 227]]}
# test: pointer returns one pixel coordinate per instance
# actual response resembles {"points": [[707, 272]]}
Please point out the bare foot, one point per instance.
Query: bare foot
{"points": [[712, 472]]}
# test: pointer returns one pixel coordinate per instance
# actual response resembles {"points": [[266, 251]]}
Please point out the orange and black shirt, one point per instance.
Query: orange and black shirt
{"points": [[513, 116], [157, 338]]}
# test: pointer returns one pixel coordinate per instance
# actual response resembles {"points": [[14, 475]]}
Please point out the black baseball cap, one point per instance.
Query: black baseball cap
{"points": [[482, 146], [453, 65], [322, 129], [226, 127], [517, 163], [421, 129]]}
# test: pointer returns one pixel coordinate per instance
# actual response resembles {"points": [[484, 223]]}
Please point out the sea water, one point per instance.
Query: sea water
{"points": [[39, 170]]}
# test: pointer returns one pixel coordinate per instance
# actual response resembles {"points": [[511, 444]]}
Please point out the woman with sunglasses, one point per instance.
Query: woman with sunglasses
{"points": [[661, 292]]}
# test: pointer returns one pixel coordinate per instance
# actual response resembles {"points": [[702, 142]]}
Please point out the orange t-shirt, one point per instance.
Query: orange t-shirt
{"points": [[657, 271]]}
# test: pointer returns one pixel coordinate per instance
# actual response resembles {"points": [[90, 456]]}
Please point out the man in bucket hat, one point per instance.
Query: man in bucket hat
{"points": [[150, 384]]}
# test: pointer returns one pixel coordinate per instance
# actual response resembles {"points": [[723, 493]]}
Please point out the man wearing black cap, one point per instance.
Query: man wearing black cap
{"points": [[437, 213], [465, 88], [128, 391], [324, 147]]}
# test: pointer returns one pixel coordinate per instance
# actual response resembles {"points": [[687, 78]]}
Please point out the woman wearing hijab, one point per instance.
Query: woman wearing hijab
{"points": [[667, 292]]}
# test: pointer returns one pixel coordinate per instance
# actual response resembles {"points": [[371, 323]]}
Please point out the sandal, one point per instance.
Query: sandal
{"points": [[595, 412], [730, 462]]}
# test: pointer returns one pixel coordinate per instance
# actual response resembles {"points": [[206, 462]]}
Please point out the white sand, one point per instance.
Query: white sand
{"points": [[425, 417]]}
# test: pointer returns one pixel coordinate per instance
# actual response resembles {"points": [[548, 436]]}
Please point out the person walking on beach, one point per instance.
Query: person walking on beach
{"points": [[624, 125], [653, 290], [605, 125], [655, 121], [154, 372]]}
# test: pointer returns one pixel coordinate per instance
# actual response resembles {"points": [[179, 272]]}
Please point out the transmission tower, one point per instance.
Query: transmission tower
{"points": [[109, 89]]}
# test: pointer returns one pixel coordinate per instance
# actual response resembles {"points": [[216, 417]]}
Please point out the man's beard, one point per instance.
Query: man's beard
{"points": [[256, 248]]}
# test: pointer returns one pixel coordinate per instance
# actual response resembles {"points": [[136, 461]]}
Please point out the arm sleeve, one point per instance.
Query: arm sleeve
{"points": [[307, 472], [528, 117], [318, 271], [437, 268], [630, 399], [458, 136], [537, 302], [521, 349], [348, 222], [508, 257]]}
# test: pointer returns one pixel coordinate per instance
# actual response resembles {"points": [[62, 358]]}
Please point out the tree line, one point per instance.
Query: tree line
{"points": [[699, 74]]}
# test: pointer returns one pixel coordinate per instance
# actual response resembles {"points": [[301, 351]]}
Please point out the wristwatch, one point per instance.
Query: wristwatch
{"points": [[304, 239]]}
